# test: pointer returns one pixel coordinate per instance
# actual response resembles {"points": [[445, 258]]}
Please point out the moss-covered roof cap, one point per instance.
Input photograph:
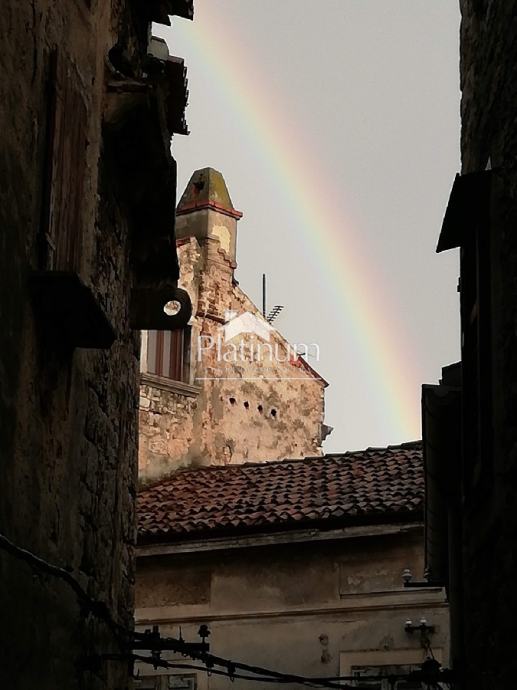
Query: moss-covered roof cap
{"points": [[207, 189]]}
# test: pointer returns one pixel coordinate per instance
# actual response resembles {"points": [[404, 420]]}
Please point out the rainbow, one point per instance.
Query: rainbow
{"points": [[353, 283]]}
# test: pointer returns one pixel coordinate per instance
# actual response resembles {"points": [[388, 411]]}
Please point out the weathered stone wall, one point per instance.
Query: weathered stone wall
{"points": [[167, 429], [313, 609], [256, 407], [489, 131], [68, 428]]}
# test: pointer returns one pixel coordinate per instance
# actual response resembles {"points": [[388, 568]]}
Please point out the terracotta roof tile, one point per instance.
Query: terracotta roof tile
{"points": [[361, 486]]}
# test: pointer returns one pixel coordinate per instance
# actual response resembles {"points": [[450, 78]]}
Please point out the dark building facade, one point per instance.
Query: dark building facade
{"points": [[470, 423], [87, 184]]}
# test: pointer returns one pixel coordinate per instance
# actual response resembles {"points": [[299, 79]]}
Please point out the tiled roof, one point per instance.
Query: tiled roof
{"points": [[373, 485]]}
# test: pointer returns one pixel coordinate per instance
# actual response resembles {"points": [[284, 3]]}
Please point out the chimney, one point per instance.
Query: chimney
{"points": [[206, 211]]}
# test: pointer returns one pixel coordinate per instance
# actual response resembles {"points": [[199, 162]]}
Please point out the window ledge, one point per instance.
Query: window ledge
{"points": [[166, 384]]}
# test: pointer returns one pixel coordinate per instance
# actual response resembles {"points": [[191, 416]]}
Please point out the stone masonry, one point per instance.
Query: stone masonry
{"points": [[68, 401], [233, 408]]}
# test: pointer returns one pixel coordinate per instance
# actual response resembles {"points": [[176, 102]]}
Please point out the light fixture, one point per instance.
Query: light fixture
{"points": [[407, 576], [422, 627]]}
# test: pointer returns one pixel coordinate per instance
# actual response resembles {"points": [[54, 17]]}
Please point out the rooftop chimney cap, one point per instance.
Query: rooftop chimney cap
{"points": [[207, 189]]}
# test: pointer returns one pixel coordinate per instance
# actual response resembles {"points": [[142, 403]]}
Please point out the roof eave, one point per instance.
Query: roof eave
{"points": [[326, 528], [467, 204]]}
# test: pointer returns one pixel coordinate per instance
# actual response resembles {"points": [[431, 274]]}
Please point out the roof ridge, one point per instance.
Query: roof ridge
{"points": [[239, 467]]}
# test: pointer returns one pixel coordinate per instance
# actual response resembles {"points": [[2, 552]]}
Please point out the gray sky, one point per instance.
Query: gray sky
{"points": [[336, 126]]}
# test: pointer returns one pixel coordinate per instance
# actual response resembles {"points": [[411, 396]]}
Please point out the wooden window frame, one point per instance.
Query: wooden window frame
{"points": [[177, 367]]}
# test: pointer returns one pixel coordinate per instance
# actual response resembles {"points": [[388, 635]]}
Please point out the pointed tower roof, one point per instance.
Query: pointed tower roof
{"points": [[207, 190]]}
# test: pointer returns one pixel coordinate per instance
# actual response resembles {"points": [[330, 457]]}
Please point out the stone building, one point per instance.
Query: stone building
{"points": [[80, 82], [296, 566], [227, 388], [470, 428]]}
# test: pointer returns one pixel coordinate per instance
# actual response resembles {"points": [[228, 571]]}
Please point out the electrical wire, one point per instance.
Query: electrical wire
{"points": [[156, 644], [161, 663], [97, 608], [212, 660], [100, 610]]}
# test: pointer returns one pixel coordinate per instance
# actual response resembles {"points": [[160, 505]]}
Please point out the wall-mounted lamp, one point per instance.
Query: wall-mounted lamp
{"points": [[422, 626], [407, 578]]}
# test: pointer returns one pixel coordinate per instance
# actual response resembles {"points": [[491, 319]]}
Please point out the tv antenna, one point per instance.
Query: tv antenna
{"points": [[273, 313]]}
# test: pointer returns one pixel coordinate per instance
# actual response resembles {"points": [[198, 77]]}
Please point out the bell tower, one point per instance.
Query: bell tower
{"points": [[206, 211]]}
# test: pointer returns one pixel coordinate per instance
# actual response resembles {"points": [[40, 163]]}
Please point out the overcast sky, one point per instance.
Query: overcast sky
{"points": [[336, 126]]}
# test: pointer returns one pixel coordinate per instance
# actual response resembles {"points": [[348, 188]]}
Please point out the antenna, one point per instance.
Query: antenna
{"points": [[264, 310], [275, 311]]}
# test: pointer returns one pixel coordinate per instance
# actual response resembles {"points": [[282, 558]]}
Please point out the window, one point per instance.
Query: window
{"points": [[168, 354], [187, 682], [383, 672], [166, 682], [147, 682]]}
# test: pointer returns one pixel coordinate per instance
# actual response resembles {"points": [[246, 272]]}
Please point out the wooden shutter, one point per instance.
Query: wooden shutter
{"points": [[166, 354], [66, 167], [176, 357]]}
